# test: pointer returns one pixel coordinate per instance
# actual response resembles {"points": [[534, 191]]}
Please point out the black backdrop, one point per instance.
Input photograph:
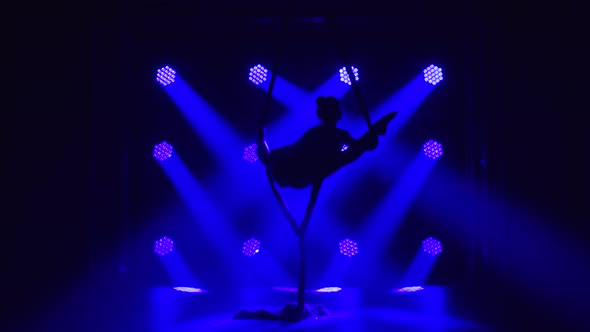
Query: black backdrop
{"points": [[206, 53], [68, 199]]}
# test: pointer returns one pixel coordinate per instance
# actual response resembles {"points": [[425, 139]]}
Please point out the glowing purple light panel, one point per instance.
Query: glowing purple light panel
{"points": [[432, 246], [257, 74], [250, 153], [433, 149], [163, 151], [348, 248], [163, 246], [251, 247], [410, 289], [328, 290], [189, 289], [344, 75], [165, 76], [433, 74]]}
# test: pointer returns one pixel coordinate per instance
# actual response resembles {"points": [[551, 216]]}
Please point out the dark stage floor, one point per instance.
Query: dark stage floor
{"points": [[350, 310], [165, 309]]}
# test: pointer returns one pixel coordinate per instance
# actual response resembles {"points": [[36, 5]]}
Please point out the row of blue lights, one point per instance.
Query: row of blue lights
{"points": [[258, 74], [409, 289], [251, 247], [432, 149]]}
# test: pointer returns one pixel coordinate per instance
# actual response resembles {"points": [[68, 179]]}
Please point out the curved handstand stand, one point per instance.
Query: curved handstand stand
{"points": [[321, 151]]}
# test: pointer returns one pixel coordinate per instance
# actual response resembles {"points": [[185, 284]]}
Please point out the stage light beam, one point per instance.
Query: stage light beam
{"points": [[433, 149], [250, 153], [163, 151], [432, 246], [163, 246], [251, 247], [257, 74], [433, 74], [348, 247], [344, 77], [166, 76]]}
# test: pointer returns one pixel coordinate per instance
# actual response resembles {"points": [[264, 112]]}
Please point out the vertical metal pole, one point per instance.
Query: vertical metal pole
{"points": [[302, 274]]}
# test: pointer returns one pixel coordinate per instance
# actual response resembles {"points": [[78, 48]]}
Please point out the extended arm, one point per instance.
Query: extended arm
{"points": [[368, 141], [359, 146]]}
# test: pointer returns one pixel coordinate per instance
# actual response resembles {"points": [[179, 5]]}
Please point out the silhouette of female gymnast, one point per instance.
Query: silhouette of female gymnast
{"points": [[321, 151]]}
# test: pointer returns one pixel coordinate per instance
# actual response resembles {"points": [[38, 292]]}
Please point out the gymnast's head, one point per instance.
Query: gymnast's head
{"points": [[328, 110]]}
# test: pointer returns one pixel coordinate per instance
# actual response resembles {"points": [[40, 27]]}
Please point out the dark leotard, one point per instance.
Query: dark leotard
{"points": [[320, 152]]}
